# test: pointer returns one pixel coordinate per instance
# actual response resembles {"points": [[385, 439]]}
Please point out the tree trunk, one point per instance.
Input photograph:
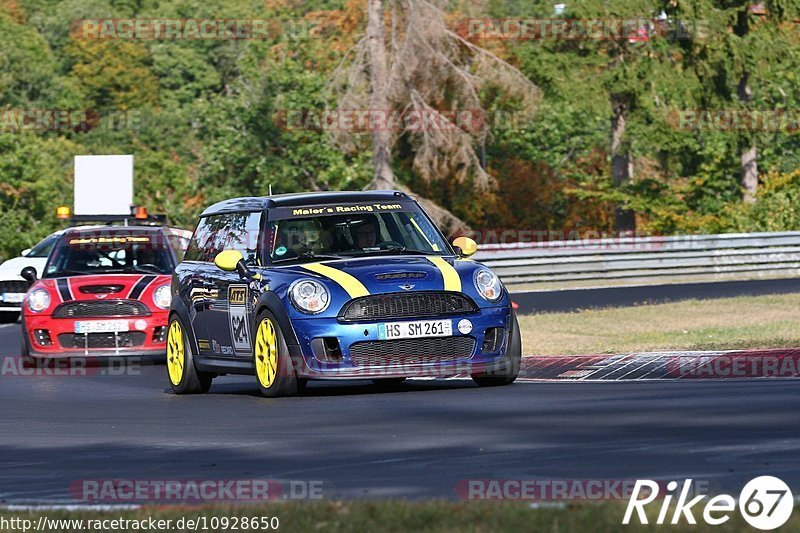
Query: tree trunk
{"points": [[621, 162], [383, 177], [747, 147], [749, 173]]}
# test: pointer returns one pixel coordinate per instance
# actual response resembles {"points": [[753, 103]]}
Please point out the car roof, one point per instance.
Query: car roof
{"points": [[260, 203]]}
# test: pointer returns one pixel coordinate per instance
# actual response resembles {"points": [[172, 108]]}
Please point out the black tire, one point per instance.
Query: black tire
{"points": [[26, 360], [388, 382], [9, 317], [508, 371], [24, 349], [191, 380], [302, 385], [282, 379]]}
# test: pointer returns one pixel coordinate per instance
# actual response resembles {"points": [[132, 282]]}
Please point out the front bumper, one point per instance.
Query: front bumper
{"points": [[387, 362], [146, 337]]}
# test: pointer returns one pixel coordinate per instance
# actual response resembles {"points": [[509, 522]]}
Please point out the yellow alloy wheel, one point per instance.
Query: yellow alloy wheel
{"points": [[266, 353], [176, 353]]}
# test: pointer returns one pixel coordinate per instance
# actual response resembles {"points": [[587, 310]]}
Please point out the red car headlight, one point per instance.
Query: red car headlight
{"points": [[38, 300], [162, 297]]}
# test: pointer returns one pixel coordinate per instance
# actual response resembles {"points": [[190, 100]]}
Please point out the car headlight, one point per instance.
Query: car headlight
{"points": [[162, 297], [488, 284], [38, 300], [309, 296]]}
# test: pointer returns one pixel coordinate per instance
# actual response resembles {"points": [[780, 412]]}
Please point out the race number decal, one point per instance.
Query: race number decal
{"points": [[237, 310]]}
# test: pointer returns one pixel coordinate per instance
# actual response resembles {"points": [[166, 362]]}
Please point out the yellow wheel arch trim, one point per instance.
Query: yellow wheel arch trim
{"points": [[353, 287], [452, 281], [266, 353], [176, 353]]}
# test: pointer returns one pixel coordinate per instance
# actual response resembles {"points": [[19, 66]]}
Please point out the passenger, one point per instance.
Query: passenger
{"points": [[300, 236]]}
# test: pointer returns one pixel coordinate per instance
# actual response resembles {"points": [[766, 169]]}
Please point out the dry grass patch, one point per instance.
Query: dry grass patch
{"points": [[728, 323]]}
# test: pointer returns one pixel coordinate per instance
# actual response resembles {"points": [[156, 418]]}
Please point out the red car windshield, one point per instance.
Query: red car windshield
{"points": [[110, 251]]}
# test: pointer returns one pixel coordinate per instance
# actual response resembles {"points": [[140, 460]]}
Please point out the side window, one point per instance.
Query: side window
{"points": [[229, 231], [240, 232]]}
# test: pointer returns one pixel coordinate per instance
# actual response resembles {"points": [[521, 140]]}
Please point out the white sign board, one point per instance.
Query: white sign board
{"points": [[103, 184]]}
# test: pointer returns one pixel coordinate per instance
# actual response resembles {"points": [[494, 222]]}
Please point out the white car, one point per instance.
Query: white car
{"points": [[12, 286]]}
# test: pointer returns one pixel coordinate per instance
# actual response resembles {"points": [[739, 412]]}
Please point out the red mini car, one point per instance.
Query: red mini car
{"points": [[105, 291]]}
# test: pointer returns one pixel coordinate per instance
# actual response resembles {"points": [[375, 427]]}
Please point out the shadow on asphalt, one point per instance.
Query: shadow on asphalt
{"points": [[321, 389]]}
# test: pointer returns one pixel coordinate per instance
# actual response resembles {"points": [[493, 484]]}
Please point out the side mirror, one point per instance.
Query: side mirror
{"points": [[25, 252], [232, 260], [228, 259], [29, 274], [465, 246]]}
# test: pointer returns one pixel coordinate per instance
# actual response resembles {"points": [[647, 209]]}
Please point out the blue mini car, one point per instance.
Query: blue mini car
{"points": [[334, 285]]}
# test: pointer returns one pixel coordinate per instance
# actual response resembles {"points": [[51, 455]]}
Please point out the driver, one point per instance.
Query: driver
{"points": [[365, 235]]}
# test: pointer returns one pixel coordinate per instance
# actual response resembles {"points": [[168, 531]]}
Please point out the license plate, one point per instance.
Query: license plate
{"points": [[13, 297], [419, 328], [101, 326]]}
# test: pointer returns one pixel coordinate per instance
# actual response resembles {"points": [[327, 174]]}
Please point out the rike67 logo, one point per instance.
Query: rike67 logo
{"points": [[765, 503]]}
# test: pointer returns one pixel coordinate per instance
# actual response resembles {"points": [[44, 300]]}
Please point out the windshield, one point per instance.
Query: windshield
{"points": [[110, 251], [351, 230]]}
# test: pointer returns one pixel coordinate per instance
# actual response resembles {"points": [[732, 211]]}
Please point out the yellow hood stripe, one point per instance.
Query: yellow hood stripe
{"points": [[452, 281], [353, 287]]}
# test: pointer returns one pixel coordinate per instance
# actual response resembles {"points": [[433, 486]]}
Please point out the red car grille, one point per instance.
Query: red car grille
{"points": [[102, 308], [101, 340]]}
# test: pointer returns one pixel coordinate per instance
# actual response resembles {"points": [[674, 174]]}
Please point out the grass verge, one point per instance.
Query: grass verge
{"points": [[745, 322]]}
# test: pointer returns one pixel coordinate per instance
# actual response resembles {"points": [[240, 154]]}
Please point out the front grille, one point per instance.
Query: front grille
{"points": [[411, 351], [104, 308], [407, 305], [14, 286], [129, 339]]}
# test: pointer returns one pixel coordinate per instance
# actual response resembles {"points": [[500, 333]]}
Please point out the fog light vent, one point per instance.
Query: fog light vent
{"points": [[42, 337], [327, 349], [493, 340]]}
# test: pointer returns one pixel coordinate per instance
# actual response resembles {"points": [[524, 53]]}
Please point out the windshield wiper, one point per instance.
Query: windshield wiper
{"points": [[143, 269], [399, 250], [403, 250], [308, 255], [62, 273]]}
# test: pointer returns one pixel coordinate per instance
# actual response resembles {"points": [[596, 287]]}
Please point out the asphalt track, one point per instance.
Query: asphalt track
{"points": [[418, 441], [566, 300]]}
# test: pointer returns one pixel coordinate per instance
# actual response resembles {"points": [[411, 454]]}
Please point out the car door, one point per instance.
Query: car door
{"points": [[229, 323], [195, 285]]}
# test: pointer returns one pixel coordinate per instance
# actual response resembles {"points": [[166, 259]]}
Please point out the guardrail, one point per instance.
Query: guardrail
{"points": [[626, 259]]}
